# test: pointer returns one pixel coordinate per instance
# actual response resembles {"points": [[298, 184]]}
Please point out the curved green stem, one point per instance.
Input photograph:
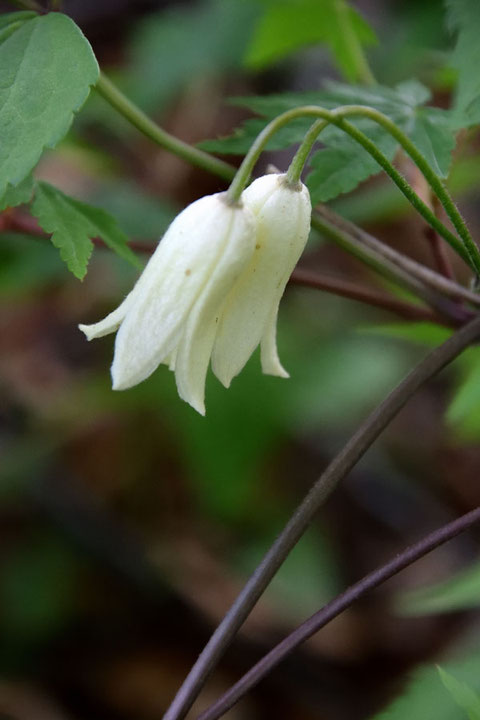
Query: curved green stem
{"points": [[468, 250], [146, 126], [131, 112], [222, 169], [248, 163], [435, 182], [294, 172], [337, 117]]}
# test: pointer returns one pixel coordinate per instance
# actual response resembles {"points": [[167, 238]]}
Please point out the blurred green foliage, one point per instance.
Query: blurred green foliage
{"points": [[289, 25], [147, 462], [426, 695], [464, 696], [460, 592]]}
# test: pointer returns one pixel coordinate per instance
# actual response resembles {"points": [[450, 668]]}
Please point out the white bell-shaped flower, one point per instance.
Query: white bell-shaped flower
{"points": [[211, 290], [172, 314], [249, 316]]}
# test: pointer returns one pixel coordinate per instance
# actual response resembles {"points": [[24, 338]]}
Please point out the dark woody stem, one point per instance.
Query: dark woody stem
{"points": [[417, 279], [346, 459], [335, 608], [326, 220]]}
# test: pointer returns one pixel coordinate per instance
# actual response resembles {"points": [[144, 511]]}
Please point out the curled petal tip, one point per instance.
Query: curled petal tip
{"points": [[109, 324], [88, 331], [97, 330]]}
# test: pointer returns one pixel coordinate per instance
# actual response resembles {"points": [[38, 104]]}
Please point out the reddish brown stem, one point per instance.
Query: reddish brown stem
{"points": [[18, 222], [439, 252], [348, 289]]}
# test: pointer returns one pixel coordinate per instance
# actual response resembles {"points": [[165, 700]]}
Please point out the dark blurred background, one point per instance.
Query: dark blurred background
{"points": [[128, 522]]}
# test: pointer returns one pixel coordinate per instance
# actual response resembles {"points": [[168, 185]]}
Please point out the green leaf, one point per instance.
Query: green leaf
{"points": [[338, 170], [12, 21], [14, 18], [432, 133], [73, 224], [289, 25], [18, 195], [460, 592], [464, 19], [47, 67], [463, 694], [399, 105], [423, 699]]}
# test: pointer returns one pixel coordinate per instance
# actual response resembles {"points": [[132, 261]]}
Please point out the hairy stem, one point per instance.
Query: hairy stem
{"points": [[142, 122], [335, 607], [468, 250], [435, 182], [295, 170], [302, 517]]}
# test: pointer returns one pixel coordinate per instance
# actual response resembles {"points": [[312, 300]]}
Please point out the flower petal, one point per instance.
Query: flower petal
{"points": [[168, 288], [283, 217], [195, 347], [271, 364], [110, 323]]}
